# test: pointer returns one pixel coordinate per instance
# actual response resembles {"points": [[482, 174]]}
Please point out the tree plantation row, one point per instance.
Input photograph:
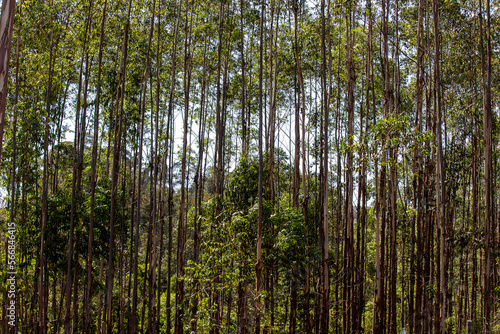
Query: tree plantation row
{"points": [[242, 166]]}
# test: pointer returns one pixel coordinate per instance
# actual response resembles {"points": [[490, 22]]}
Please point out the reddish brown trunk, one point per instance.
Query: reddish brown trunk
{"points": [[258, 265], [488, 169], [93, 180], [6, 29]]}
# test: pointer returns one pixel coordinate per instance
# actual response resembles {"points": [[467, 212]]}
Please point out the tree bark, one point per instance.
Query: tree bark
{"points": [[93, 179], [325, 306], [440, 180], [42, 297], [198, 181], [244, 136], [181, 237], [169, 141], [115, 173], [488, 169], [6, 29], [258, 265], [296, 171], [349, 261], [69, 280], [13, 184]]}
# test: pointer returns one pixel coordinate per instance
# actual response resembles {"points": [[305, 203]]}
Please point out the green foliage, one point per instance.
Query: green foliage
{"points": [[290, 239]]}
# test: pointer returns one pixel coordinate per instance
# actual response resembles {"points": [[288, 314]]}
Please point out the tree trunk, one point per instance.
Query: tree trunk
{"points": [[302, 97], [417, 186], [115, 173], [296, 171], [393, 184], [100, 297], [244, 136], [69, 280], [258, 265], [198, 181], [181, 238], [11, 227], [349, 261], [6, 29], [42, 298], [440, 180], [488, 169], [93, 180], [325, 306]]}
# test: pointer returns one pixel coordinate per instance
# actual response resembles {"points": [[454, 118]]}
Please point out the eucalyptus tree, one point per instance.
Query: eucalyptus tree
{"points": [[489, 232], [93, 181], [258, 265], [117, 135], [6, 29]]}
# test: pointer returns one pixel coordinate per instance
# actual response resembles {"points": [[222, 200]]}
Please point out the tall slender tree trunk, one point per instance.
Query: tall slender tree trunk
{"points": [[42, 293], [296, 170], [258, 265], [115, 173], [349, 261], [181, 238], [198, 181], [219, 155], [133, 167], [440, 181], [93, 179], [244, 136], [380, 207], [273, 68], [170, 224], [6, 29], [393, 183], [305, 206], [325, 306], [121, 263], [161, 196], [302, 98], [138, 216], [362, 222], [69, 279], [169, 148], [488, 169], [417, 186], [296, 160], [475, 205], [12, 205], [152, 225], [338, 209], [428, 193]]}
